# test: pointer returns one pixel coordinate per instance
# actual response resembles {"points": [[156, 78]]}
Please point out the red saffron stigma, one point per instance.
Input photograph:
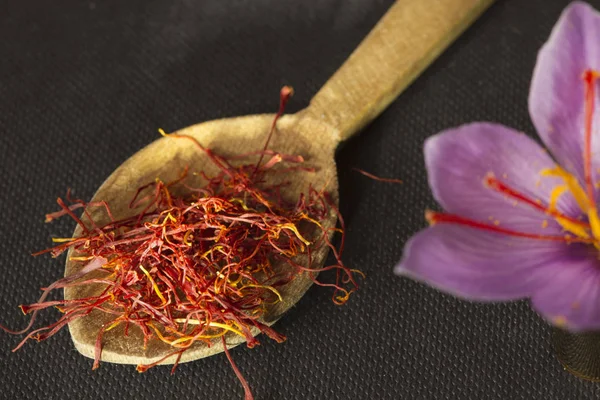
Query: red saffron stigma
{"points": [[590, 77], [377, 178], [247, 392], [434, 217], [284, 96], [503, 188], [195, 269]]}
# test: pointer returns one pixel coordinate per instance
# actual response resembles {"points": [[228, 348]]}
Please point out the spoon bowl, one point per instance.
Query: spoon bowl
{"points": [[165, 159]]}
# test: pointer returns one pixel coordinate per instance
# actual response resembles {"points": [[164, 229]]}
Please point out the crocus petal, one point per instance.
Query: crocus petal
{"points": [[484, 266], [556, 97], [571, 297], [458, 161]]}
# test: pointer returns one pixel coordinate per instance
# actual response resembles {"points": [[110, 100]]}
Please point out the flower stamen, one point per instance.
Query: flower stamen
{"points": [[572, 184], [434, 217], [590, 77], [580, 228], [492, 182]]}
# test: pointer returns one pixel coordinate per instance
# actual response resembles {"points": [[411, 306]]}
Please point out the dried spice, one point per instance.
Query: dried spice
{"points": [[200, 266]]}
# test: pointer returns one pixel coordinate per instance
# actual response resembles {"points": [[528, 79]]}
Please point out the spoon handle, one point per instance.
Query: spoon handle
{"points": [[404, 42]]}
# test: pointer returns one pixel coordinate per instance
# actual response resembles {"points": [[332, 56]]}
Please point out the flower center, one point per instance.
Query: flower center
{"points": [[577, 230]]}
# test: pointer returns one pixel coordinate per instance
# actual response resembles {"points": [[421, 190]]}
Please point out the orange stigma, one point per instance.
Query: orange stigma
{"points": [[590, 77]]}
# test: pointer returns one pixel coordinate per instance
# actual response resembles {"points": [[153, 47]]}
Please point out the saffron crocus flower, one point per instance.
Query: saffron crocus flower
{"points": [[520, 221]]}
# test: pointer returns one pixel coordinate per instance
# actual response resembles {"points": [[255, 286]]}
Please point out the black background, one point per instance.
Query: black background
{"points": [[83, 85]]}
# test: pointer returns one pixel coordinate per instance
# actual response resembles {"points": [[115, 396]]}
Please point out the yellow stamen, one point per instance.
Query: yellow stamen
{"points": [[272, 289], [187, 238], [211, 324], [306, 217], [344, 298], [62, 240], [189, 321], [197, 322], [164, 339], [154, 285], [215, 248], [240, 202], [113, 325], [169, 201], [293, 228], [82, 258], [594, 221], [572, 227], [192, 339], [235, 282], [556, 193], [169, 217], [572, 184], [359, 272]]}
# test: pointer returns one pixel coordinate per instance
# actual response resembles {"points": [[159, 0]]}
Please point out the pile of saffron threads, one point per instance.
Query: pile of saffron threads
{"points": [[196, 268]]}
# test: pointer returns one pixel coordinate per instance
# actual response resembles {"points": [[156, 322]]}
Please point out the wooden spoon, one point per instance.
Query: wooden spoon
{"points": [[406, 40]]}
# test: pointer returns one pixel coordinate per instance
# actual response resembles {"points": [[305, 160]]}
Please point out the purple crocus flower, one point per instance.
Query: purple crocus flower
{"points": [[520, 221]]}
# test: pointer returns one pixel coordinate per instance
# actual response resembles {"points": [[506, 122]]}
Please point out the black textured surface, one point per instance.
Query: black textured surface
{"points": [[83, 85]]}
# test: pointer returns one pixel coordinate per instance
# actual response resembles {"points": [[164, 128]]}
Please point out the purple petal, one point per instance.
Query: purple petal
{"points": [[571, 296], [488, 266], [458, 161], [556, 97]]}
